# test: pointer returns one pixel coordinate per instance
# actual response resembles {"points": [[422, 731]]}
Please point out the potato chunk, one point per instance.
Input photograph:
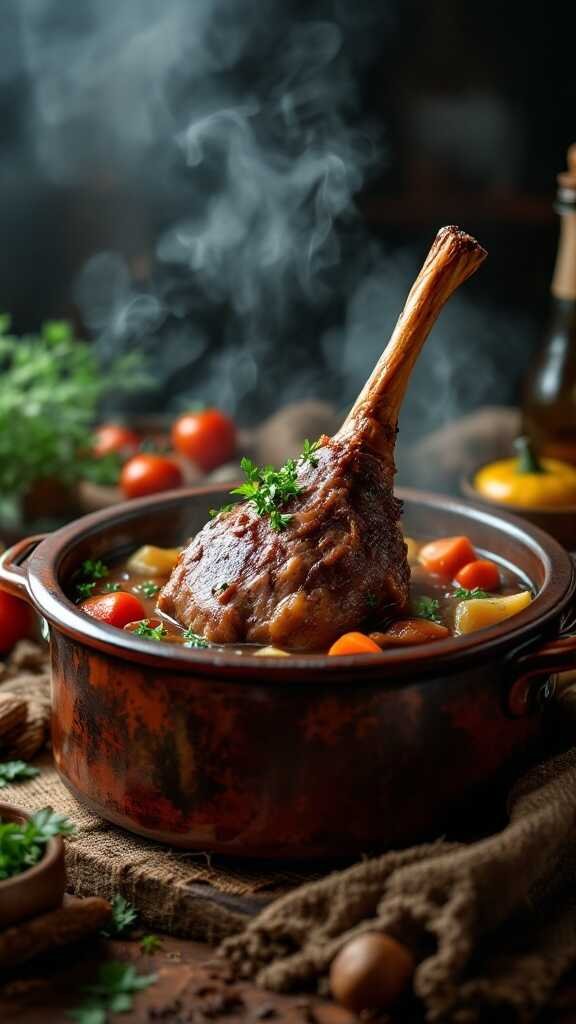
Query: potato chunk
{"points": [[271, 652], [412, 549], [479, 613], [151, 561]]}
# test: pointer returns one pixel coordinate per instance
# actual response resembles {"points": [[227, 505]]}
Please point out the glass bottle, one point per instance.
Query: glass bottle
{"points": [[549, 393]]}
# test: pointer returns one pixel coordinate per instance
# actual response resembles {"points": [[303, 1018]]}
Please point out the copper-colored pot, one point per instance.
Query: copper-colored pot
{"points": [[301, 757]]}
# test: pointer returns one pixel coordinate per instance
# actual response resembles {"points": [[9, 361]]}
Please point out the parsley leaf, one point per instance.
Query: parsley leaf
{"points": [[222, 511], [150, 944], [194, 639], [96, 570], [112, 993], [463, 594], [219, 589], [152, 632], [22, 843], [427, 608], [110, 588], [123, 915], [371, 600], [16, 771], [147, 588], [85, 589], [309, 452]]}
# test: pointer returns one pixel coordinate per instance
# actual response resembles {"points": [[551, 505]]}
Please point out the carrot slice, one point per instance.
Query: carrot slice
{"points": [[354, 643], [446, 557], [407, 632], [481, 574]]}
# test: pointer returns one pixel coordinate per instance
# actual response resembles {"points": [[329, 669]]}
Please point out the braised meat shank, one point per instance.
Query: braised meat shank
{"points": [[342, 555]]}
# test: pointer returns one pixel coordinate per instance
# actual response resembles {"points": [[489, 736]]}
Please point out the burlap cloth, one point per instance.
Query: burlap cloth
{"points": [[492, 923]]}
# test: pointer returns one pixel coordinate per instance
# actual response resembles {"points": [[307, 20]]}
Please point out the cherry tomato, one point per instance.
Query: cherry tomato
{"points": [[208, 438], [116, 609], [111, 437], [15, 621], [147, 474], [482, 574]]}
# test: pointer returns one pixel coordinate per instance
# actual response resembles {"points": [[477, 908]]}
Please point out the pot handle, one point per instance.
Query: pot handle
{"points": [[13, 577]]}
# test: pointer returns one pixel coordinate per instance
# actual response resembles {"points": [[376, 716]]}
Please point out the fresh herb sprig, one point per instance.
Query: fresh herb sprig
{"points": [[427, 608], [114, 992], [124, 914], [16, 771], [150, 944], [192, 639], [89, 574], [110, 588], [152, 632], [22, 844], [269, 489], [463, 594]]}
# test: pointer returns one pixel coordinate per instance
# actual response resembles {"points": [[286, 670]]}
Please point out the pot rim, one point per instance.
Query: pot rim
{"points": [[42, 571], [52, 850]]}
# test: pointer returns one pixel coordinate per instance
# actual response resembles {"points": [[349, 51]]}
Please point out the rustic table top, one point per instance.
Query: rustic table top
{"points": [[188, 990]]}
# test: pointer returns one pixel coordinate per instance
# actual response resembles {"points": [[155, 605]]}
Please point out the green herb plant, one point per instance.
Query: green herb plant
{"points": [[51, 385], [113, 992], [22, 844], [16, 771]]}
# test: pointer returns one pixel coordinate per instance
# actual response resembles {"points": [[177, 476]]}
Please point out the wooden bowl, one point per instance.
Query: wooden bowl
{"points": [[560, 523], [37, 890]]}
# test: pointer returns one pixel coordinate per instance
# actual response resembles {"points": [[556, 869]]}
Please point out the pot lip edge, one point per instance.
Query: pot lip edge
{"points": [[52, 603]]}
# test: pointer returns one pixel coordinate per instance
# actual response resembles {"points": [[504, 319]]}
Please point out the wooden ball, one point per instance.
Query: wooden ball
{"points": [[371, 972]]}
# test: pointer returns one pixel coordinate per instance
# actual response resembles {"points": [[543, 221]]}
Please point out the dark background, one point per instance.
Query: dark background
{"points": [[474, 108]]}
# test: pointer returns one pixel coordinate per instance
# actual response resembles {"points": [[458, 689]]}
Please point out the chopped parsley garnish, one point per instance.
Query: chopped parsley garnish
{"points": [[219, 589], [269, 489], [192, 639], [110, 588], [222, 511], [148, 588], [309, 452], [427, 608], [463, 594], [152, 632], [93, 570], [371, 600], [150, 944], [85, 589]]}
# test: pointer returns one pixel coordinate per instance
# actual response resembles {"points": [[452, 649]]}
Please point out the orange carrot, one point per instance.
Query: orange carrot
{"points": [[406, 632], [446, 557], [354, 643], [481, 574]]}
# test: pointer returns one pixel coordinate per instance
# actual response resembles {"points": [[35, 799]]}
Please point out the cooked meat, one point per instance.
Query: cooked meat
{"points": [[342, 553]]}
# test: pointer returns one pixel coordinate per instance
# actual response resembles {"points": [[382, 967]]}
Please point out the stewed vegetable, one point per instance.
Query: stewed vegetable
{"points": [[453, 591]]}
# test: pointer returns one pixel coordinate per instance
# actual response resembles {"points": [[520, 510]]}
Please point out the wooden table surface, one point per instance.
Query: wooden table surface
{"points": [[188, 990]]}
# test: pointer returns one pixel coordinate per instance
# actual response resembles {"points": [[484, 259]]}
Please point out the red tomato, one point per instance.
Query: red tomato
{"points": [[147, 474], [111, 437], [116, 609], [15, 621], [482, 574], [208, 438]]}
